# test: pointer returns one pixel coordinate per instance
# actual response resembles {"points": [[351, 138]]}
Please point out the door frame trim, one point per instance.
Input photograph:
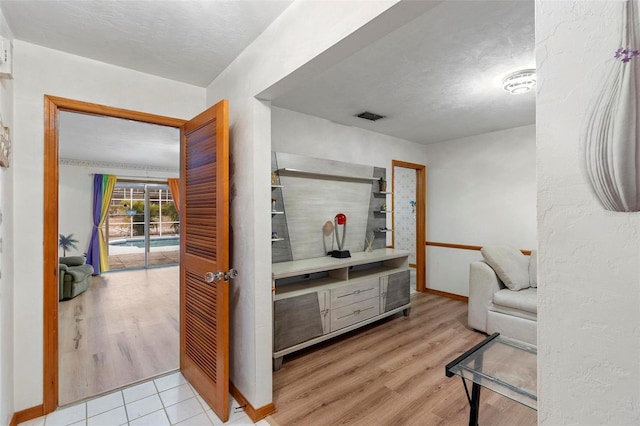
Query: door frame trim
{"points": [[52, 106], [421, 218]]}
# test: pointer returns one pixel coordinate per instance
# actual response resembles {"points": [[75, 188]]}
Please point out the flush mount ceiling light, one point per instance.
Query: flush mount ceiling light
{"points": [[522, 81]]}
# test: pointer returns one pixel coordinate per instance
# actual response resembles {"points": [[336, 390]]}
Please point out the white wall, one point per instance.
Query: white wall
{"points": [[306, 39], [303, 134], [6, 253], [589, 273], [311, 136], [481, 190], [75, 211], [39, 71]]}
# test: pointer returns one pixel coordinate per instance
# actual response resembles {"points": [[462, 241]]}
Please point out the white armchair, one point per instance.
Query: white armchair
{"points": [[494, 306]]}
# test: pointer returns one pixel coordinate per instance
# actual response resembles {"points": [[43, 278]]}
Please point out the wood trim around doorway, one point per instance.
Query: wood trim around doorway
{"points": [[421, 218], [52, 106]]}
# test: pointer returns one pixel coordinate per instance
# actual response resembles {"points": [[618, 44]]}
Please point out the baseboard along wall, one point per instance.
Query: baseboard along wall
{"points": [[255, 414], [446, 294], [27, 414]]}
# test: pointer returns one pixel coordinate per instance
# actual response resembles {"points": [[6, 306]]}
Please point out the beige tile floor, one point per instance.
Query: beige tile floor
{"points": [[163, 401]]}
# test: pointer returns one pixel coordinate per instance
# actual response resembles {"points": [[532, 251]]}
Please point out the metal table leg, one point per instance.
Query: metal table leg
{"points": [[474, 404]]}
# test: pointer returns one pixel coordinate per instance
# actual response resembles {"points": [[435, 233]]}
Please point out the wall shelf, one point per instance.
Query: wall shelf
{"points": [[274, 212], [304, 173], [277, 239], [384, 230], [276, 186], [384, 211]]}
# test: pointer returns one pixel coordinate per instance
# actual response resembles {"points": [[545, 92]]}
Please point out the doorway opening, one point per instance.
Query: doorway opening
{"points": [[116, 329], [54, 221], [409, 215]]}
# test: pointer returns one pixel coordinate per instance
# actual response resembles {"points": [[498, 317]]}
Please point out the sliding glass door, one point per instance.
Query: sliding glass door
{"points": [[143, 227]]}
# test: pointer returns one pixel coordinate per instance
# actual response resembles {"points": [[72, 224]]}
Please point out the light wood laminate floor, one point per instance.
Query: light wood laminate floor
{"points": [[390, 373], [123, 329]]}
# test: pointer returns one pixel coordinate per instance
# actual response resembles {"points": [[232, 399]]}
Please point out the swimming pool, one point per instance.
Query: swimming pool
{"points": [[139, 242]]}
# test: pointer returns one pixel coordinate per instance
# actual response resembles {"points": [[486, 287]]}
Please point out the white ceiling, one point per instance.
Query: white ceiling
{"points": [[190, 41], [117, 142], [436, 78]]}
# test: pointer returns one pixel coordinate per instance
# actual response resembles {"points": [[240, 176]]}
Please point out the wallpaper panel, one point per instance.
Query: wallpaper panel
{"points": [[404, 212]]}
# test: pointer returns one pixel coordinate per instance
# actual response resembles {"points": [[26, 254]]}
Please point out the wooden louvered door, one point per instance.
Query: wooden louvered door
{"points": [[204, 256]]}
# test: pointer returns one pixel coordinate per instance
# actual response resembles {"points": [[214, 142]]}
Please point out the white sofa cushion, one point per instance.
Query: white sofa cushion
{"points": [[533, 269], [524, 300], [511, 266], [515, 327]]}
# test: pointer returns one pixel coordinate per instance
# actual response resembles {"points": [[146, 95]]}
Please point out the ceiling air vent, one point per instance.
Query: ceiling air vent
{"points": [[370, 116]]}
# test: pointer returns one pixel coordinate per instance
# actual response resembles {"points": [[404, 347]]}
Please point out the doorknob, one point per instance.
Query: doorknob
{"points": [[231, 274], [211, 277]]}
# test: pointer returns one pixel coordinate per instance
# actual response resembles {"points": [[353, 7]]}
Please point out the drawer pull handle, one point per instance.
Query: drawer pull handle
{"points": [[354, 292], [356, 312]]}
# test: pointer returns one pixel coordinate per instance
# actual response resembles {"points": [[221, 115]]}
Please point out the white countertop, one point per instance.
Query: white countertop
{"points": [[309, 266]]}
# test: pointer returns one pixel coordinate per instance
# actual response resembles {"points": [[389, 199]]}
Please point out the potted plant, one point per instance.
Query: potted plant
{"points": [[382, 184], [67, 243]]}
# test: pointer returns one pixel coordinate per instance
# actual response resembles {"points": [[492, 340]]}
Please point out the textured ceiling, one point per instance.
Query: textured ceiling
{"points": [[189, 41], [118, 142], [436, 78]]}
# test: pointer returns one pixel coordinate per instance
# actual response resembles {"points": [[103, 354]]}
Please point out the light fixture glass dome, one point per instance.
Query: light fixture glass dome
{"points": [[522, 81]]}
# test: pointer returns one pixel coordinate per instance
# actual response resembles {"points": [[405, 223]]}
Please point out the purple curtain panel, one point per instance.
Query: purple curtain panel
{"points": [[93, 254]]}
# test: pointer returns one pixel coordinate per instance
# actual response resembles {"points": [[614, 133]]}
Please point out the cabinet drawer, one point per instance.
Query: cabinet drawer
{"points": [[360, 311], [353, 293]]}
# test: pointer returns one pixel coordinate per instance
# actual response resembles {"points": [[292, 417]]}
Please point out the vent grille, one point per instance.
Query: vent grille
{"points": [[370, 116]]}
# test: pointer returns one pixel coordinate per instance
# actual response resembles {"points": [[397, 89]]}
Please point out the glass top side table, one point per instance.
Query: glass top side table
{"points": [[503, 365]]}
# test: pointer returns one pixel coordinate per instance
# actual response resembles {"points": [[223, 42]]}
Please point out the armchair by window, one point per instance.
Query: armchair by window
{"points": [[74, 276]]}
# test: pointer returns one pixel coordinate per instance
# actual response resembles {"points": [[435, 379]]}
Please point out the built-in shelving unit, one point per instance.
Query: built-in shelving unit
{"points": [[276, 212], [384, 230], [384, 211]]}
